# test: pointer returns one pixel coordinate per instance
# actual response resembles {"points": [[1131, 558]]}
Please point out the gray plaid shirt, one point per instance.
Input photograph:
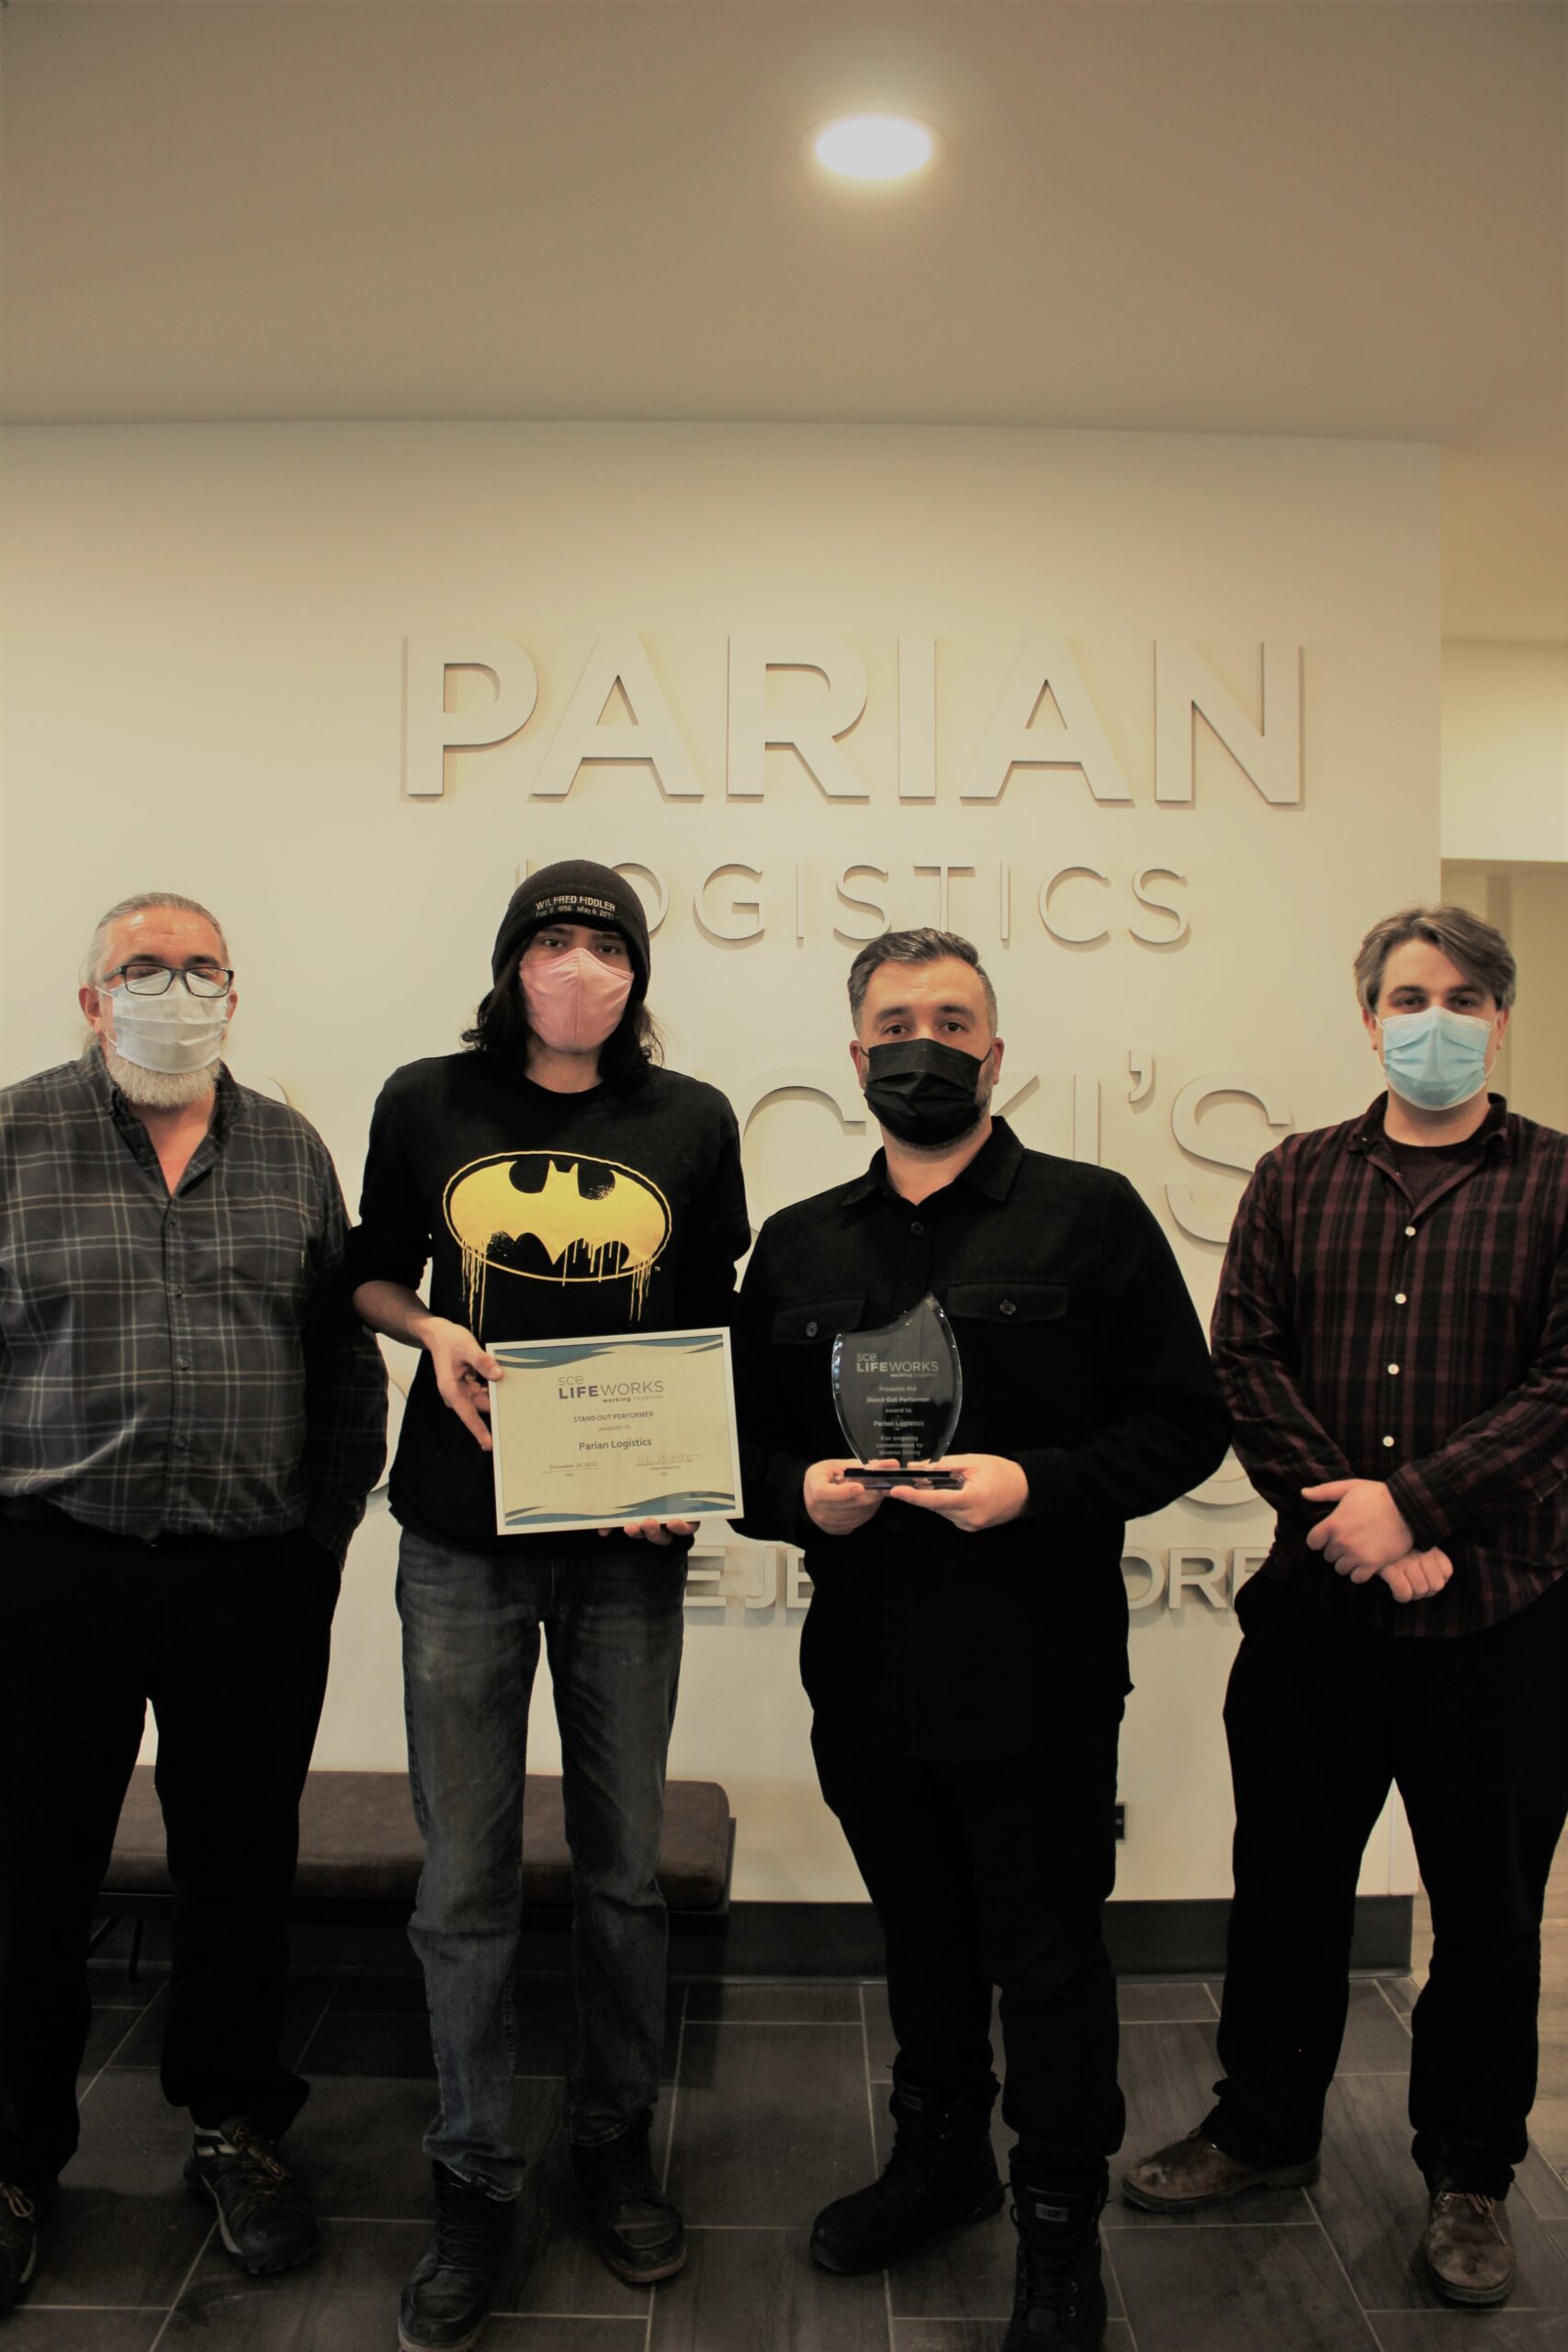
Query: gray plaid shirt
{"points": [[187, 1364]]}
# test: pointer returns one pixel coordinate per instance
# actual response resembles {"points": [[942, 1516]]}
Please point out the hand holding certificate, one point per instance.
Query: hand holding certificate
{"points": [[598, 1433]]}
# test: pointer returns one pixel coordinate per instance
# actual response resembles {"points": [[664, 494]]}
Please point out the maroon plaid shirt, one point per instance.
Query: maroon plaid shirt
{"points": [[1359, 1336]]}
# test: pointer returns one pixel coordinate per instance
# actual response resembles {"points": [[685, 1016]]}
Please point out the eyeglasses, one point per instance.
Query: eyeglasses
{"points": [[143, 977]]}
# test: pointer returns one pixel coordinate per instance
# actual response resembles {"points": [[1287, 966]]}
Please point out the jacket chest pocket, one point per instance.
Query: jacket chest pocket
{"points": [[1021, 1348], [1008, 1306], [816, 1322]]}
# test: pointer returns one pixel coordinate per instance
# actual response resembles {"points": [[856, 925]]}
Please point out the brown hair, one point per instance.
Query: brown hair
{"points": [[1481, 953], [923, 946]]}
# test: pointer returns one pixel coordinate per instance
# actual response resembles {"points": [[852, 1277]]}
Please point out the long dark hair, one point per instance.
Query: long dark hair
{"points": [[501, 1026]]}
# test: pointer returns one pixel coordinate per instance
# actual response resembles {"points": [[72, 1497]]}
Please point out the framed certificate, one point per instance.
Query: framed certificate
{"points": [[595, 1432]]}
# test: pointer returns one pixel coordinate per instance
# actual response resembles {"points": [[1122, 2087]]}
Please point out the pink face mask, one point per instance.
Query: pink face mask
{"points": [[574, 999]]}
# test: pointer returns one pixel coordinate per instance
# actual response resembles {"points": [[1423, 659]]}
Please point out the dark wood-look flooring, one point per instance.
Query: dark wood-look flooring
{"points": [[774, 2101]]}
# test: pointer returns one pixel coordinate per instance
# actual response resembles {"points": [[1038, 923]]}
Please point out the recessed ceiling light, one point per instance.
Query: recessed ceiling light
{"points": [[875, 146]]}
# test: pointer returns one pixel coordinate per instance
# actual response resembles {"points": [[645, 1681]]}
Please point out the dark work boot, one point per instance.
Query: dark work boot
{"points": [[447, 2294], [940, 2175], [1468, 2246], [1059, 2298], [637, 2233]]}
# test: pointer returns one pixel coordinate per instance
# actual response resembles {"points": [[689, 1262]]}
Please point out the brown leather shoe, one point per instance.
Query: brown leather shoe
{"points": [[1192, 2172], [1469, 2247]]}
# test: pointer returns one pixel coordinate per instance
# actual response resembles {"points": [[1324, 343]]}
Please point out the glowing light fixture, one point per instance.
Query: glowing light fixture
{"points": [[875, 146]]}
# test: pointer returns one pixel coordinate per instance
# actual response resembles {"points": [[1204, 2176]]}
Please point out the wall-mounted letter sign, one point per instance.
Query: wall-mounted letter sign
{"points": [[1203, 1224], [1045, 667], [651, 740], [430, 729], [1270, 753], [813, 733]]}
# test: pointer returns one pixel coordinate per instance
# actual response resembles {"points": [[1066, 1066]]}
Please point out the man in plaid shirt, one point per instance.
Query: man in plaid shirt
{"points": [[190, 1421], [1392, 1335]]}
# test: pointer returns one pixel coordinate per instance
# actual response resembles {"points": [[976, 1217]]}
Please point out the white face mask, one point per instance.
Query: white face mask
{"points": [[175, 1032]]}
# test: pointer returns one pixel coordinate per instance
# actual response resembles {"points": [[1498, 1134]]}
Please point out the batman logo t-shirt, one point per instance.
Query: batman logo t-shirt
{"points": [[549, 1218], [541, 1216]]}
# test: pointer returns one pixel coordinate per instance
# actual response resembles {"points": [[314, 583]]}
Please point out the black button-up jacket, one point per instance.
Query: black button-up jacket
{"points": [[1083, 1361]]}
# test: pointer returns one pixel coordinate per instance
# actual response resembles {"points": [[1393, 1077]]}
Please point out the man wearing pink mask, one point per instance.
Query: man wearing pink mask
{"points": [[560, 1100]]}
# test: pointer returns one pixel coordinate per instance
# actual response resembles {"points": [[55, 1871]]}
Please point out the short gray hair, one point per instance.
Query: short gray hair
{"points": [[923, 946], [1479, 950], [140, 903]]}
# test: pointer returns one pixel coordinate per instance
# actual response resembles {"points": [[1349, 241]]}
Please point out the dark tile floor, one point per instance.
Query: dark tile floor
{"points": [[775, 2102]]}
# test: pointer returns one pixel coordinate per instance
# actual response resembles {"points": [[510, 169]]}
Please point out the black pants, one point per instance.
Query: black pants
{"points": [[1321, 1718], [230, 1641], [996, 1873]]}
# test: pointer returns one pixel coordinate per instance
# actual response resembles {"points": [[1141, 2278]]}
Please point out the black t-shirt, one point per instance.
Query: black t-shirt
{"points": [[542, 1216], [1424, 1166]]}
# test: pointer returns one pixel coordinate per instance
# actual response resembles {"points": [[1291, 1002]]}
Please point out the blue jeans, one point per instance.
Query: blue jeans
{"points": [[471, 1627]]}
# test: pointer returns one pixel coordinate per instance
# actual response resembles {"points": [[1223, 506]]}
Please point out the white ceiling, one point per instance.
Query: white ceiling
{"points": [[1270, 215]]}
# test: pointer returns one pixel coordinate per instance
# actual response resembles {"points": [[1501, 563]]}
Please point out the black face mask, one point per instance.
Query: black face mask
{"points": [[923, 1091]]}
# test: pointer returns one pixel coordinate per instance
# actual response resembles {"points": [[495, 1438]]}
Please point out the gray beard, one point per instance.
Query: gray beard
{"points": [[158, 1090]]}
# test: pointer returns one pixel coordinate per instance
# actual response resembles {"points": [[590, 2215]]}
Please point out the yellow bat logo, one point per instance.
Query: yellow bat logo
{"points": [[592, 1221]]}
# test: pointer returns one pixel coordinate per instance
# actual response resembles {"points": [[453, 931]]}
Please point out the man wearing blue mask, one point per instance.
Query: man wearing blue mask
{"points": [[1392, 1333], [965, 1652]]}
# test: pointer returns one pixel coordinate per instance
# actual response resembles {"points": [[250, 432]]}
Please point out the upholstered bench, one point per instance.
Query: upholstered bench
{"points": [[360, 1854]]}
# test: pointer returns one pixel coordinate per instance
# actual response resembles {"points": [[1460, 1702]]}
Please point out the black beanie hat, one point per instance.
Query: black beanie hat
{"points": [[573, 890]]}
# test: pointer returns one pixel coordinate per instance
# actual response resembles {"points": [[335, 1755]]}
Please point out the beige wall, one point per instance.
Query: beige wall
{"points": [[1530, 906], [203, 647], [1504, 756], [1505, 836]]}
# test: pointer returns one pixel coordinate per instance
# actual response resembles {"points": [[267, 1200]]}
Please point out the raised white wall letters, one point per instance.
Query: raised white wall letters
{"points": [[430, 729], [917, 719], [1047, 892], [1270, 753], [876, 907], [812, 734], [653, 738], [711, 923], [1046, 719], [1205, 1224], [1045, 667]]}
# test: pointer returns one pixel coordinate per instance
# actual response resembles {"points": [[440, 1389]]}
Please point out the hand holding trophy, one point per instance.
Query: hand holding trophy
{"points": [[897, 1393]]}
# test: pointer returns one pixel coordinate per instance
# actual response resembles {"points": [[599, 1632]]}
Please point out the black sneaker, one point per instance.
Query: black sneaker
{"points": [[19, 2211], [637, 2233], [263, 2216], [448, 2291], [940, 2175]]}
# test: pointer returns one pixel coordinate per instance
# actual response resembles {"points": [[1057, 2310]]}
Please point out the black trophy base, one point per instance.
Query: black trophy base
{"points": [[881, 1480]]}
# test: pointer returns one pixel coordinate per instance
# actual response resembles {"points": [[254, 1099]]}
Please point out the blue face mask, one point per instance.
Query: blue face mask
{"points": [[1435, 1060]]}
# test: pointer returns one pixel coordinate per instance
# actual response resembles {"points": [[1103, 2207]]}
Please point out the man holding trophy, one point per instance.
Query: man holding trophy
{"points": [[1016, 1326]]}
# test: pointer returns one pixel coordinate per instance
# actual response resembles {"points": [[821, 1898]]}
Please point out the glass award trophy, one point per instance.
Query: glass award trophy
{"points": [[897, 1393]]}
